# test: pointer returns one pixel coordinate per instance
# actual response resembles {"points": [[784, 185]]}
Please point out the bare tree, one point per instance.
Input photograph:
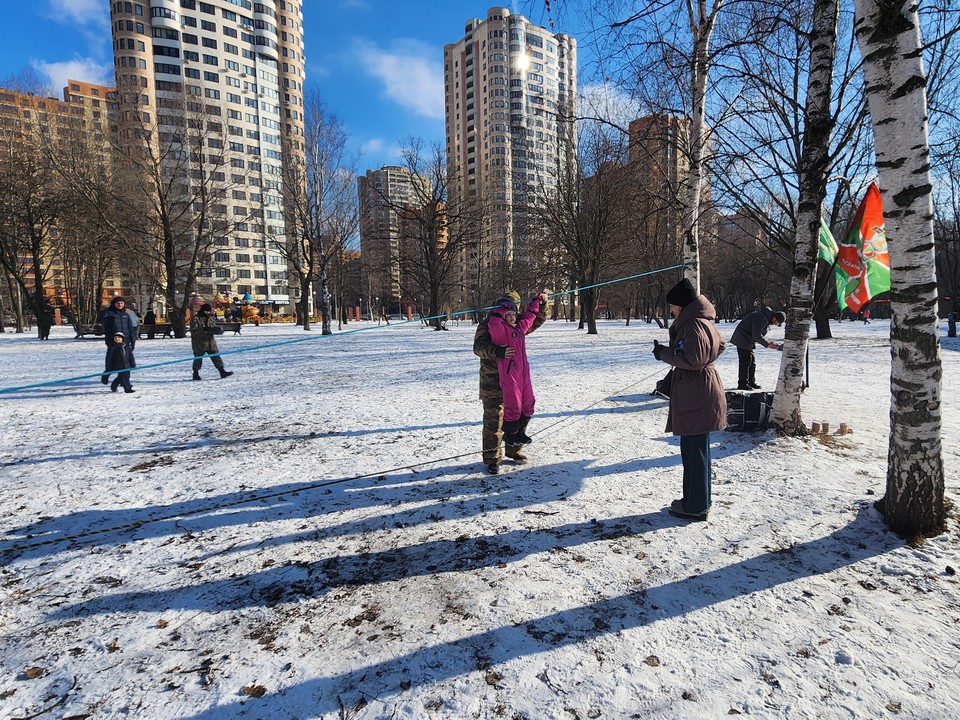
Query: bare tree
{"points": [[888, 32], [435, 230], [322, 209], [814, 168], [32, 205]]}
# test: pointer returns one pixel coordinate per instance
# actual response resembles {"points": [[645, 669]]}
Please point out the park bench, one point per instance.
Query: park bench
{"points": [[83, 330], [233, 327], [162, 329]]}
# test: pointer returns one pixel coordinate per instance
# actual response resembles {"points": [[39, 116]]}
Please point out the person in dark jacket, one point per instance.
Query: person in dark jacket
{"points": [[117, 359], [203, 332], [491, 393], [149, 320], [698, 404], [114, 319], [750, 332], [44, 321]]}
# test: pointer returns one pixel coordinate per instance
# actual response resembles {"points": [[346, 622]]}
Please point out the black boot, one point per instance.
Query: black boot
{"points": [[511, 431], [196, 375], [224, 373], [522, 430]]}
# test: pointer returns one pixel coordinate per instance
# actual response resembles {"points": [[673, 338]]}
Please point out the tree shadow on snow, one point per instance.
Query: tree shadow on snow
{"points": [[862, 539]]}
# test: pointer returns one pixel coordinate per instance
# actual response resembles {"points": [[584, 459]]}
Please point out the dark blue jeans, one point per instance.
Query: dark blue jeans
{"points": [[695, 454]]}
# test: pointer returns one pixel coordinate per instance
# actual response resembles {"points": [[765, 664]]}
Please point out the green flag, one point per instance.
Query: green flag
{"points": [[828, 246]]}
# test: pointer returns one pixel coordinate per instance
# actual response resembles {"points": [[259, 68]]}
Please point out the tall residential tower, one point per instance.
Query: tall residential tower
{"points": [[510, 89], [230, 71]]}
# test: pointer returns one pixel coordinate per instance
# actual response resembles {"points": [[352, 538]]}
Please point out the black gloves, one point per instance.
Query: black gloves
{"points": [[657, 348], [500, 352]]}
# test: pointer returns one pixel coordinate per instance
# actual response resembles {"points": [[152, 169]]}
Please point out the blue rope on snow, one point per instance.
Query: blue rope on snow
{"points": [[191, 358]]}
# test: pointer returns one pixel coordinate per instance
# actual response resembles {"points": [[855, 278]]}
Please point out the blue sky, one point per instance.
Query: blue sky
{"points": [[377, 64]]}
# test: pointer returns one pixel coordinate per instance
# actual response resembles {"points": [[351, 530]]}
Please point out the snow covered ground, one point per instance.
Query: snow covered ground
{"points": [[314, 537]]}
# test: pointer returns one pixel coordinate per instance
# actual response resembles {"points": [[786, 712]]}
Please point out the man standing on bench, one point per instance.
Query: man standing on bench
{"points": [[748, 333], [149, 320]]}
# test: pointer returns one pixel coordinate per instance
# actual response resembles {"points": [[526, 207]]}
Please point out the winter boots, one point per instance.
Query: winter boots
{"points": [[196, 375], [522, 430], [515, 453], [224, 373]]}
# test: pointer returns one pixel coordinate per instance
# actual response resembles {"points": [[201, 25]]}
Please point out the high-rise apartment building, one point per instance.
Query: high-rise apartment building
{"points": [[510, 89], [385, 236], [230, 72]]}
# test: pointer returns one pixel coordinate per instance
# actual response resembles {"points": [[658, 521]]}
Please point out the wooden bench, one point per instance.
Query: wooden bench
{"points": [[83, 330], [162, 329], [231, 327]]}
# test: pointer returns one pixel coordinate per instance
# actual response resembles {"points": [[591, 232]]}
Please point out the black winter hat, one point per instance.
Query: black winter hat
{"points": [[206, 307], [113, 303], [682, 294], [507, 302]]}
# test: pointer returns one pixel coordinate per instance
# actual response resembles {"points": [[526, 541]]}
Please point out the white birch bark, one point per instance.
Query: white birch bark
{"points": [[888, 34], [702, 22], [814, 167]]}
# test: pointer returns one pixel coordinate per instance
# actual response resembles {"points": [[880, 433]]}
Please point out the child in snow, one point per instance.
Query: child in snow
{"points": [[508, 330], [118, 359]]}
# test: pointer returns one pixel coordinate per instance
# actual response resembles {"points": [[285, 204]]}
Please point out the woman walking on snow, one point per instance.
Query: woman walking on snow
{"points": [[507, 330]]}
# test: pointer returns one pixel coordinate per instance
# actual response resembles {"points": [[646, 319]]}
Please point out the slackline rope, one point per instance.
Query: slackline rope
{"points": [[191, 358], [259, 497]]}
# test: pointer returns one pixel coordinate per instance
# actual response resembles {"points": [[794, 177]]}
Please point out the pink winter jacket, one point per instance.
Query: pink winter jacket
{"points": [[515, 380]]}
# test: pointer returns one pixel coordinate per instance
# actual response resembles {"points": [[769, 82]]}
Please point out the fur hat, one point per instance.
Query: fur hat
{"points": [[513, 295], [682, 294], [206, 307]]}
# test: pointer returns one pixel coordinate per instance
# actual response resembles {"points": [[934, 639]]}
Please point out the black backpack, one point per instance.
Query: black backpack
{"points": [[748, 411]]}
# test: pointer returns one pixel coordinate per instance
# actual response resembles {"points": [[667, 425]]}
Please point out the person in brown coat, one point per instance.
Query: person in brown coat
{"points": [[490, 392], [698, 404]]}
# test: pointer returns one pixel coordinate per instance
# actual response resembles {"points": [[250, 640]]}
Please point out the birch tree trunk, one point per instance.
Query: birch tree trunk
{"points": [[888, 33], [814, 167], [702, 23]]}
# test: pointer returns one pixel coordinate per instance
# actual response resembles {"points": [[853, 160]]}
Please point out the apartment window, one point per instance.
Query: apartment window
{"points": [[211, 77], [210, 60], [191, 55], [188, 4], [243, 258], [221, 257], [209, 43], [190, 39], [190, 73], [189, 21], [207, 8], [231, 49]]}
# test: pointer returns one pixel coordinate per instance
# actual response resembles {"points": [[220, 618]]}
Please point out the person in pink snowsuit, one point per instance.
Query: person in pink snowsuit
{"points": [[508, 330]]}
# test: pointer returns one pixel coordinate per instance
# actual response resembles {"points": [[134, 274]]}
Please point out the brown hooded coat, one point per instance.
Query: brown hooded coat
{"points": [[698, 403]]}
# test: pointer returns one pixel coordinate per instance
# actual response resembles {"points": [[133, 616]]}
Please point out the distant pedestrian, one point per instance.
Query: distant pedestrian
{"points": [[44, 321], [698, 404], [952, 324], [149, 320], [866, 316], [750, 332], [118, 359], [203, 330]]}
